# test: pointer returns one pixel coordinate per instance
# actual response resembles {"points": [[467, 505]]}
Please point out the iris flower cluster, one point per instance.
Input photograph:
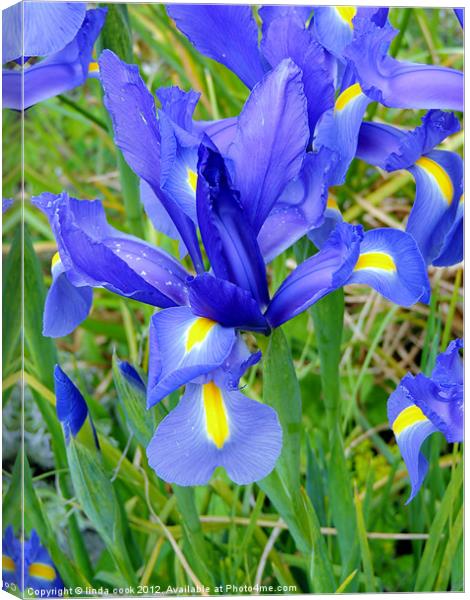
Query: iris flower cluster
{"points": [[237, 192], [27, 564]]}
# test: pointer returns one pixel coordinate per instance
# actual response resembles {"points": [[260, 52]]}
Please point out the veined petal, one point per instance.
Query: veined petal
{"points": [[338, 128], [58, 73], [271, 139], [137, 134], [96, 255], [226, 303], [287, 37], [183, 347], [300, 207], [439, 188], [390, 262], [227, 34], [48, 27], [319, 275], [226, 231], [411, 427], [213, 426], [397, 83], [66, 305]]}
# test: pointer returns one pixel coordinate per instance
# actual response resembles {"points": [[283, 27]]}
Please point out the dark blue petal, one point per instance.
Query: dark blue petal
{"points": [[316, 277], [286, 37], [228, 236], [71, 407], [48, 27], [59, 72], [131, 374], [136, 130], [459, 15], [390, 262], [228, 34], [226, 303], [183, 347], [214, 426], [271, 139], [397, 83], [300, 207]]}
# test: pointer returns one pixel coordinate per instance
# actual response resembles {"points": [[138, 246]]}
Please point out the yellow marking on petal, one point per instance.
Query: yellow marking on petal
{"points": [[461, 199], [347, 96], [347, 13], [198, 331], [376, 260], [192, 179], [216, 417], [440, 175], [331, 203], [408, 417], [55, 259], [42, 571], [93, 67], [7, 563]]}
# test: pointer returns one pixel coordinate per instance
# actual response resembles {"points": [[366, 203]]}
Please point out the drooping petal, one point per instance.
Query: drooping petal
{"points": [[226, 230], [300, 207], [226, 303], [287, 37], [227, 34], [439, 188], [56, 74], [271, 139], [316, 277], [183, 347], [48, 27], [213, 426], [411, 427], [338, 129], [400, 84], [67, 306], [391, 263], [96, 255], [137, 134]]}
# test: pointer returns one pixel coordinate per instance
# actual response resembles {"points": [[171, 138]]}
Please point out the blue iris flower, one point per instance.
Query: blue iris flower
{"points": [[436, 219], [39, 571], [424, 405], [63, 35], [238, 201]]}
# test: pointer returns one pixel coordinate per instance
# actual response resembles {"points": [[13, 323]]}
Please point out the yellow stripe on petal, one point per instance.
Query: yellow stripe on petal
{"points": [[198, 332], [347, 13], [55, 259], [440, 176], [7, 563], [93, 67], [331, 203], [376, 260], [216, 417], [42, 571], [347, 96], [408, 417], [192, 179]]}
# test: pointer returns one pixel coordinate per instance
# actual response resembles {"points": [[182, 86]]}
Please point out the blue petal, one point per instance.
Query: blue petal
{"points": [[397, 83], [459, 15], [228, 236], [228, 34], [213, 426], [286, 37], [11, 549], [66, 305], [300, 207], [338, 129], [316, 277], [439, 188], [6, 204], [59, 72], [221, 132], [136, 131], [332, 216], [183, 347], [333, 27], [48, 27], [452, 247], [71, 407], [270, 13], [130, 374], [36, 555], [271, 139], [449, 365], [390, 262], [95, 254], [226, 303], [179, 105], [411, 428]]}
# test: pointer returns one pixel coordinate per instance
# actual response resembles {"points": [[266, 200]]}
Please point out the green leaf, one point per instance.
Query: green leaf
{"points": [[11, 304], [364, 546]]}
